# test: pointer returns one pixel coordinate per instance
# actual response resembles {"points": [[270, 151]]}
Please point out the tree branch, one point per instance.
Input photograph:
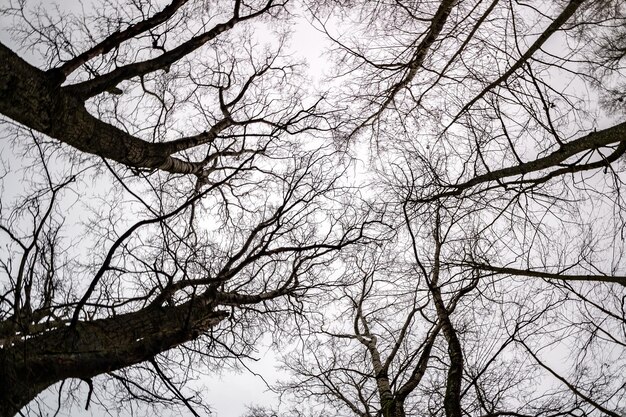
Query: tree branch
{"points": [[114, 40]]}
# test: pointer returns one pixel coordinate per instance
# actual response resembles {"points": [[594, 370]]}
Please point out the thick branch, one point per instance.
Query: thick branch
{"points": [[105, 82], [556, 24], [592, 141], [30, 97], [421, 51], [420, 368], [546, 275], [115, 39], [452, 399], [96, 347]]}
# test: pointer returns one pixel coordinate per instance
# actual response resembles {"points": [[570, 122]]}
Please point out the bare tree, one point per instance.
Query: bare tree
{"points": [[188, 206], [419, 329], [215, 204], [497, 138]]}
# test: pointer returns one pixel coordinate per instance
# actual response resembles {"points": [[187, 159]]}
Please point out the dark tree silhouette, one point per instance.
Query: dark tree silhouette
{"points": [[497, 139], [172, 189], [187, 195]]}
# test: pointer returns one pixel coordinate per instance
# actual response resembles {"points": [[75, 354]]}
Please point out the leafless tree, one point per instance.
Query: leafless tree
{"points": [[162, 201], [497, 138], [420, 328], [184, 192]]}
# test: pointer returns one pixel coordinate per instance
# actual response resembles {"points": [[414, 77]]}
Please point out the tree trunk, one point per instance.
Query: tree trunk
{"points": [[30, 365]]}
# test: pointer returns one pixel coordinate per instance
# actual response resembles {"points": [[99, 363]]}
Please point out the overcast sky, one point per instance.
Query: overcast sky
{"points": [[229, 393]]}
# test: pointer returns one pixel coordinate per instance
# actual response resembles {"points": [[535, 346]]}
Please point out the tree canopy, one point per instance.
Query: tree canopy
{"points": [[436, 228]]}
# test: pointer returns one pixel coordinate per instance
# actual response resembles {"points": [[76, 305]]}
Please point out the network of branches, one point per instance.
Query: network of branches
{"points": [[433, 226]]}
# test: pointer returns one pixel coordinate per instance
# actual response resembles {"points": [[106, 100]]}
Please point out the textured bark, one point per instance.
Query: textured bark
{"points": [[32, 97], [28, 366], [381, 374], [452, 399]]}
